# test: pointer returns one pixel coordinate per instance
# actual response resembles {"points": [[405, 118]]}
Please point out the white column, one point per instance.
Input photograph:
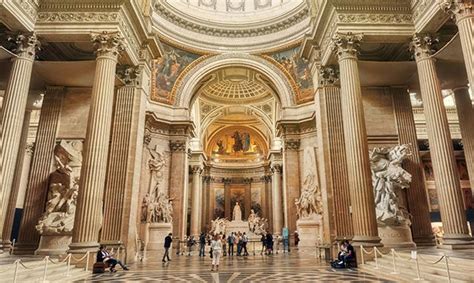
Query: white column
{"points": [[277, 204], [195, 199]]}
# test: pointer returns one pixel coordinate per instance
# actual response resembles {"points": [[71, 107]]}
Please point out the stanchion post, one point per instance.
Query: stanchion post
{"points": [[45, 271], [87, 260], [362, 255], [253, 248], [17, 262], [118, 252], [376, 259], [68, 264], [417, 269], [446, 259], [393, 262]]}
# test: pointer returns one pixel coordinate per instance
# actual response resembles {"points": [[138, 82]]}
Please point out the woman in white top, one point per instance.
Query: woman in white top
{"points": [[216, 246]]}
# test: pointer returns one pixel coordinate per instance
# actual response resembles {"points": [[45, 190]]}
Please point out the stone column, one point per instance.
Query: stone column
{"points": [[21, 172], [123, 172], [355, 135], [206, 199], [441, 149], [248, 197], [227, 197], [466, 123], [88, 220], [462, 11], [416, 195], [179, 186], [37, 188], [268, 200], [331, 147], [195, 195], [277, 203], [13, 113], [292, 180]]}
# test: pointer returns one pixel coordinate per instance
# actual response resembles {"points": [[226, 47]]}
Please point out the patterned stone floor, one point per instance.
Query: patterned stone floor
{"points": [[294, 267]]}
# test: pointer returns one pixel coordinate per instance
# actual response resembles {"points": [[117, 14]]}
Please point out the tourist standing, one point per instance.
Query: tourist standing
{"points": [[216, 246], [230, 243], [224, 245], [264, 246], [167, 245], [190, 244], [239, 244], [245, 240], [202, 245], [297, 238], [269, 244]]}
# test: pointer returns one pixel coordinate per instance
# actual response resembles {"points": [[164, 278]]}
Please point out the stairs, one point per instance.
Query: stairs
{"points": [[460, 268], [56, 272]]}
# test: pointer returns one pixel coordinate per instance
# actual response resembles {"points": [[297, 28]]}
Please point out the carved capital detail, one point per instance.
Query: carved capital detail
{"points": [[108, 44], [346, 45], [277, 168], [129, 75], [178, 146], [458, 9], [25, 45], [328, 75], [292, 144], [423, 45], [30, 148], [196, 169]]}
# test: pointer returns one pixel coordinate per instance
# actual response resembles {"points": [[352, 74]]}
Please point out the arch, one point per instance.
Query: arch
{"points": [[186, 91]]}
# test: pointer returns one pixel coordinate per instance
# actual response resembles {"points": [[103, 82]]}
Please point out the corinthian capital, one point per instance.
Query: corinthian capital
{"points": [[458, 9], [26, 45], [107, 43], [129, 74], [423, 45], [328, 75], [346, 44]]}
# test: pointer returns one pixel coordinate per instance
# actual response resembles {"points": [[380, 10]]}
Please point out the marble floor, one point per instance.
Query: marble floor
{"points": [[292, 267]]}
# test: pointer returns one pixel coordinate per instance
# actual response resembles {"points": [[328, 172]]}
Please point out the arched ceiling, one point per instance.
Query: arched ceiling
{"points": [[217, 26]]}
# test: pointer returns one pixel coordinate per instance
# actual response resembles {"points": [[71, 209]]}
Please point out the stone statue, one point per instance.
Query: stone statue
{"points": [[218, 226], [58, 218], [157, 209], [388, 179], [256, 223], [156, 164], [310, 200], [237, 212], [252, 220]]}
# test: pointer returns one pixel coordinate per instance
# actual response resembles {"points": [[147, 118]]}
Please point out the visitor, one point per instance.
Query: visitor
{"points": [[104, 256], [239, 243], [190, 243], [202, 245], [230, 243], [350, 259], [167, 246], [224, 245], [297, 238], [263, 239], [269, 244], [216, 247], [245, 240]]}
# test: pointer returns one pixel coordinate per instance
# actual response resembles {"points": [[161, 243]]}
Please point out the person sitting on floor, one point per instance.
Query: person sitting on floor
{"points": [[346, 257], [104, 256]]}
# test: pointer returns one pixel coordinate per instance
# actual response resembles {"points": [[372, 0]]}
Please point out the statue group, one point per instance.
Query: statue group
{"points": [[310, 201]]}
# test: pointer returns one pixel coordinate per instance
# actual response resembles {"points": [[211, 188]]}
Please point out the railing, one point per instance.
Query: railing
{"points": [[396, 256], [47, 260]]}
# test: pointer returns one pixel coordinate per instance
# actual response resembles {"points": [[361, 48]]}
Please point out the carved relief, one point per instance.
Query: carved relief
{"points": [[375, 18], [85, 17], [58, 219], [388, 179], [310, 202]]}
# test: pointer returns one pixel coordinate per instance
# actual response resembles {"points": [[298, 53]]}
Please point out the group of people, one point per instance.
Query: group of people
{"points": [[346, 258]]}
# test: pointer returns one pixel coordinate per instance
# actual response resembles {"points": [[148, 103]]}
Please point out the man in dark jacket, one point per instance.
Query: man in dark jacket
{"points": [[168, 241], [202, 245]]}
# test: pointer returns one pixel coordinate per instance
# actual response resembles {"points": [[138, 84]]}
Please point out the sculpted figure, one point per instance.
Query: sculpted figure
{"points": [[388, 179], [252, 220], [237, 212], [310, 201], [218, 226]]}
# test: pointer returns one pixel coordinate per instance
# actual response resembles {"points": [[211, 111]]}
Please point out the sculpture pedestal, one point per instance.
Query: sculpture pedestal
{"points": [[396, 236], [309, 231], [154, 235], [53, 244], [237, 226]]}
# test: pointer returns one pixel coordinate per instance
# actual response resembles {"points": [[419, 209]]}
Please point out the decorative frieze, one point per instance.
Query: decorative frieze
{"points": [[77, 17], [375, 18]]}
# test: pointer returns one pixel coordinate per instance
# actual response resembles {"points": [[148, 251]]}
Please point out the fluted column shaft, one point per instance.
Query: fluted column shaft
{"points": [[179, 186], [37, 188], [125, 158], [88, 219], [441, 149], [277, 204], [292, 180], [195, 195], [355, 135], [12, 115], [466, 123], [416, 195], [19, 174]]}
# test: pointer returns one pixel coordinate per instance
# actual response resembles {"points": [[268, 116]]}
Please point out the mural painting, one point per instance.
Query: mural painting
{"points": [[219, 203], [298, 68], [237, 144], [167, 69], [256, 196]]}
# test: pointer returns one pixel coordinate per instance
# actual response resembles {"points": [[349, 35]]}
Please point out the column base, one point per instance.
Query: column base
{"points": [[111, 244], [425, 241], [366, 241], [53, 244], [5, 246], [457, 242], [396, 236], [83, 247], [25, 249]]}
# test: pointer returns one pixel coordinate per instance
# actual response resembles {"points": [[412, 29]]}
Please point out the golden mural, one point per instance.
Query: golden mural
{"points": [[237, 144]]}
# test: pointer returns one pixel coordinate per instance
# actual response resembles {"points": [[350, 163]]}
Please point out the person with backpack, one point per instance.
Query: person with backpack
{"points": [[230, 244]]}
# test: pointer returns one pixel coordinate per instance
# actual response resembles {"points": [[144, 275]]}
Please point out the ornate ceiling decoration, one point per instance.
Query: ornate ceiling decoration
{"points": [[236, 86], [201, 23]]}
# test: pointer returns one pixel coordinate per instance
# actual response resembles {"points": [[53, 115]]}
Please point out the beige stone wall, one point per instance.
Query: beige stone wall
{"points": [[74, 113]]}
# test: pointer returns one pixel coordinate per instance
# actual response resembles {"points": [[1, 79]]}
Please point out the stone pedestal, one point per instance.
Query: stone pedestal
{"points": [[237, 226], [155, 234], [309, 231], [396, 236], [54, 244]]}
